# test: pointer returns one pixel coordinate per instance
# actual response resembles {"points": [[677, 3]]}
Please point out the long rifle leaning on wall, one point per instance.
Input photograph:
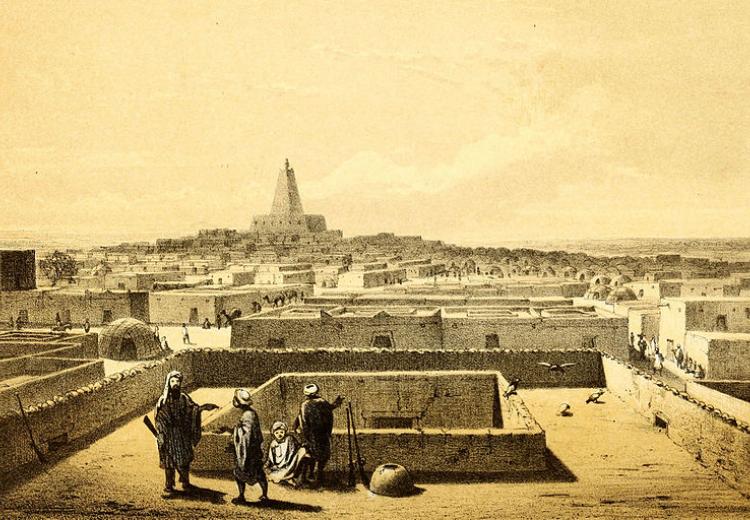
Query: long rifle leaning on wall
{"points": [[34, 446], [360, 461], [352, 477]]}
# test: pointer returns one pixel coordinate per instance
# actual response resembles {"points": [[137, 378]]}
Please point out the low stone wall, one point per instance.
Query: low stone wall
{"points": [[251, 368], [56, 376], [422, 452], [87, 343], [721, 395], [719, 441], [87, 411]]}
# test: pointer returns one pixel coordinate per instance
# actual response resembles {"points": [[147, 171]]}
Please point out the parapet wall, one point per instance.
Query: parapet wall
{"points": [[54, 376], [91, 410], [719, 441], [86, 411], [251, 368]]}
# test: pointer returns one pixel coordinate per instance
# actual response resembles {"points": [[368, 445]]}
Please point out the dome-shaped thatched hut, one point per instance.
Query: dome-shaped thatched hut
{"points": [[128, 339]]}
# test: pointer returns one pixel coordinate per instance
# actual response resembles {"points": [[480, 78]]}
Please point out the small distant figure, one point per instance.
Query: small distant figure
{"points": [[58, 321], [178, 427], [86, 325], [218, 321], [185, 334], [315, 423], [564, 410], [206, 324], [556, 368], [156, 332], [700, 373], [594, 398], [286, 458], [679, 356], [632, 339], [654, 346], [247, 439], [512, 387], [12, 323], [642, 346], [658, 363], [164, 343]]}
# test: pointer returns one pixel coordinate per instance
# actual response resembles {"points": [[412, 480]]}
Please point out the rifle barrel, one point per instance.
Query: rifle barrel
{"points": [[360, 460], [34, 446]]}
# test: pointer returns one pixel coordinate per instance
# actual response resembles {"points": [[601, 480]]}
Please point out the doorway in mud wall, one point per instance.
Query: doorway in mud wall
{"points": [[193, 320], [382, 340]]}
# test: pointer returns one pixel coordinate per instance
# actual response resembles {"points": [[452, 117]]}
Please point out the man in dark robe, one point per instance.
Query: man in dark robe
{"points": [[315, 423], [247, 440], [178, 425]]}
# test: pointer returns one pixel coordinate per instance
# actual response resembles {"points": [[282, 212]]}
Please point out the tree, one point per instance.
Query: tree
{"points": [[57, 266]]}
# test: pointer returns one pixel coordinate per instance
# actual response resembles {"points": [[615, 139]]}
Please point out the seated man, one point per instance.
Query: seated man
{"points": [[286, 458]]}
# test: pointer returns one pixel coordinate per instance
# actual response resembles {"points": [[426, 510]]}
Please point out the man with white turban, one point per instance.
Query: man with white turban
{"points": [[247, 439], [315, 423], [178, 426]]}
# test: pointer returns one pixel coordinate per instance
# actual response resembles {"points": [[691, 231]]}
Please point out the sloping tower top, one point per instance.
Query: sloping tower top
{"points": [[287, 201]]}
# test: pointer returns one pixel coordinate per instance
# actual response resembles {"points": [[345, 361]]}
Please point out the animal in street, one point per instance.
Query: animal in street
{"points": [[512, 387], [564, 410], [594, 398], [555, 367]]}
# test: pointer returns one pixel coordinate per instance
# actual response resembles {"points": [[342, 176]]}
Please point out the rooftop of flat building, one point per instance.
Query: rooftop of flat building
{"points": [[727, 336], [700, 299], [605, 461]]}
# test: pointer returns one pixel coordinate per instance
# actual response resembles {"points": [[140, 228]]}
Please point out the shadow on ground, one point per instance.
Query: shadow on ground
{"points": [[556, 471], [281, 505], [198, 494]]}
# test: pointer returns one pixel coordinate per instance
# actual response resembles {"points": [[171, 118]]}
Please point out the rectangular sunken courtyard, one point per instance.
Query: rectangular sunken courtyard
{"points": [[430, 422]]}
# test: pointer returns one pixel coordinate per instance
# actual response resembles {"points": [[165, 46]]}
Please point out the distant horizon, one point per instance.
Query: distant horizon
{"points": [[105, 239]]}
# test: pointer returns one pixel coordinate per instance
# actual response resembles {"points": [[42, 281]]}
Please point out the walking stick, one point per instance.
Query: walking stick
{"points": [[34, 446], [360, 461], [352, 476]]}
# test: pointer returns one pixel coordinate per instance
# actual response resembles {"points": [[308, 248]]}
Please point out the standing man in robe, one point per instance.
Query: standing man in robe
{"points": [[247, 439], [315, 423], [178, 426]]}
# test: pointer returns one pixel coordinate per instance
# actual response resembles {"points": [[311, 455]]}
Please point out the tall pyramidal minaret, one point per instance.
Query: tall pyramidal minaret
{"points": [[287, 201], [287, 216]]}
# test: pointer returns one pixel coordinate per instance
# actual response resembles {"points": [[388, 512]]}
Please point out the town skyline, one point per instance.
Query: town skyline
{"points": [[541, 122]]}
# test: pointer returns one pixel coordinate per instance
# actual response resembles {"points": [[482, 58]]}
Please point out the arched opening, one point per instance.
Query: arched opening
{"points": [[128, 351]]}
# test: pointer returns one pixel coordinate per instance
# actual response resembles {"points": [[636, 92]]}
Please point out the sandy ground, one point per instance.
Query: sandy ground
{"points": [[609, 463]]}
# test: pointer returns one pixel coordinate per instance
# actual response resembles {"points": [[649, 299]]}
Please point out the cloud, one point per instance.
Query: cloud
{"points": [[495, 155]]}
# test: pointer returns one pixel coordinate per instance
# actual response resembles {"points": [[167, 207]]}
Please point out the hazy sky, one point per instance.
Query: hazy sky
{"points": [[471, 122]]}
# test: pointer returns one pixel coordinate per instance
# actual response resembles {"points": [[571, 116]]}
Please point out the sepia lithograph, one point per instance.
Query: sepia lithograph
{"points": [[374, 259]]}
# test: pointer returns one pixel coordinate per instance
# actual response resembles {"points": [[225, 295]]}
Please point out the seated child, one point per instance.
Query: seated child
{"points": [[286, 458]]}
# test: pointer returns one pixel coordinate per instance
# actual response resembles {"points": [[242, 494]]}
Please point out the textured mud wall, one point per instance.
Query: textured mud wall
{"points": [[44, 306], [449, 400], [54, 376], [434, 332], [251, 368], [717, 440], [608, 335], [22, 347], [731, 397], [404, 332], [458, 451], [86, 411]]}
